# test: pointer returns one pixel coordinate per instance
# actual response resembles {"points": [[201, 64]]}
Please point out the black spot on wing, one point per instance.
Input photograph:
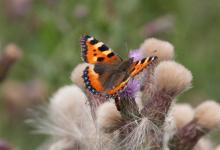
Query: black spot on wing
{"points": [[136, 62], [110, 55], [143, 60], [103, 48], [94, 41], [133, 69], [100, 59]]}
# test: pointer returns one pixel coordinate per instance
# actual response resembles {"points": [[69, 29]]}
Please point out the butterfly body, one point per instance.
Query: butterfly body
{"points": [[114, 73], [110, 73]]}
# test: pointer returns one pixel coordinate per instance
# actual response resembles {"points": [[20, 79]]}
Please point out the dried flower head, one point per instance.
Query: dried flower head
{"points": [[154, 47], [76, 75], [204, 144], [172, 77], [69, 100], [206, 118], [183, 114], [7, 58], [68, 119], [108, 117], [120, 123], [13, 52], [170, 80], [207, 114], [218, 147]]}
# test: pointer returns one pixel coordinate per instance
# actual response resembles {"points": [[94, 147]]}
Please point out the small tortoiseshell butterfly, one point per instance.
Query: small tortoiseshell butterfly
{"points": [[110, 73]]}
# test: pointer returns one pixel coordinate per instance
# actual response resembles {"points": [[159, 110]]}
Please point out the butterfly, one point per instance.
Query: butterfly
{"points": [[110, 73]]}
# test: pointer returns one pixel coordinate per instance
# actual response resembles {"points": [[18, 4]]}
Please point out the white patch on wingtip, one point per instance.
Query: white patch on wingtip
{"points": [[154, 58], [90, 39]]}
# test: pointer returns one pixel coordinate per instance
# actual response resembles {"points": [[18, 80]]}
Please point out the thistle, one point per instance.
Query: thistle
{"points": [[143, 115]]}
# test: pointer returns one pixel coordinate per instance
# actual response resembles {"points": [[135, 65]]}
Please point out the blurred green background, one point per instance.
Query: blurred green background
{"points": [[48, 33]]}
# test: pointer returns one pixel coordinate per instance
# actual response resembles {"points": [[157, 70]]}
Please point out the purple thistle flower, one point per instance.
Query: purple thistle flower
{"points": [[133, 85], [135, 54], [132, 88]]}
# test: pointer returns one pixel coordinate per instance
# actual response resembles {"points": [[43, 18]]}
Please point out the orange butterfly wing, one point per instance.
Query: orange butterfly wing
{"points": [[138, 66], [134, 69], [93, 84], [95, 52], [91, 80]]}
